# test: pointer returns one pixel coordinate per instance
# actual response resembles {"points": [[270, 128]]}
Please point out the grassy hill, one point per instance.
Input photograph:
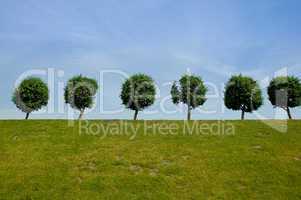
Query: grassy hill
{"points": [[229, 160]]}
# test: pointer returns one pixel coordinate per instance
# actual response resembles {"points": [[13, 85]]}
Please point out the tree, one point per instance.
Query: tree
{"points": [[190, 91], [242, 93], [285, 92], [31, 95], [80, 93], [138, 92]]}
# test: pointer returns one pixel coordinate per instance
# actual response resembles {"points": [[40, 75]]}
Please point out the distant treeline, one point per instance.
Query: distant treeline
{"points": [[138, 92]]}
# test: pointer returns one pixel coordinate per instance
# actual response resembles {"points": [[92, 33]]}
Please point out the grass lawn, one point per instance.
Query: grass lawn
{"points": [[51, 160]]}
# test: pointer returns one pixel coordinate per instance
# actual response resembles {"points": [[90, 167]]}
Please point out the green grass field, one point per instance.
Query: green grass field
{"points": [[51, 160]]}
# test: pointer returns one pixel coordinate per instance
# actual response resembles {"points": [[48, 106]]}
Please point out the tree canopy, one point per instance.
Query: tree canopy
{"points": [[285, 92], [190, 91], [31, 95], [138, 92], [243, 93], [80, 93]]}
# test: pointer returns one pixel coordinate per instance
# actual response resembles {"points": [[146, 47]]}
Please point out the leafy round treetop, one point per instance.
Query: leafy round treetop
{"points": [[138, 92], [31, 95], [191, 91], [285, 91], [243, 93], [80, 92]]}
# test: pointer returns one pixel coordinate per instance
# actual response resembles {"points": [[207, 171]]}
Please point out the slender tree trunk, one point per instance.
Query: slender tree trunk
{"points": [[136, 114], [288, 113], [27, 116], [81, 114], [242, 114], [189, 113]]}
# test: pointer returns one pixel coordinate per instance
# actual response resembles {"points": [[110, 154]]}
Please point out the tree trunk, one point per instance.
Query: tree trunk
{"points": [[81, 114], [189, 113], [27, 116], [136, 114], [242, 114], [288, 113]]}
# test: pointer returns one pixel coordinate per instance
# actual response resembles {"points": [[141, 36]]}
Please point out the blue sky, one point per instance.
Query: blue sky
{"points": [[162, 38]]}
